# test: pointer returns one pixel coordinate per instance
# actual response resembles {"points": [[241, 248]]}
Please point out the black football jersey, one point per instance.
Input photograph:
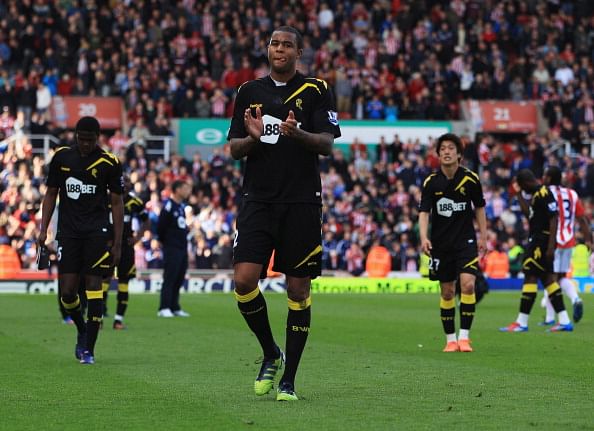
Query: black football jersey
{"points": [[280, 169], [543, 207], [450, 203], [133, 209], [83, 184]]}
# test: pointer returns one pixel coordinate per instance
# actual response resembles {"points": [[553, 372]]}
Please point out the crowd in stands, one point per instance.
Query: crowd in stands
{"points": [[388, 60]]}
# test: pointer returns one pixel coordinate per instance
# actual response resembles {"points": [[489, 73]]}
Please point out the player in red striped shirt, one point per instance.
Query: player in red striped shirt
{"points": [[571, 211]]}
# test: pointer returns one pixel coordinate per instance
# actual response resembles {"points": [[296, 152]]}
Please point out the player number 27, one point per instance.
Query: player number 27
{"points": [[433, 264]]}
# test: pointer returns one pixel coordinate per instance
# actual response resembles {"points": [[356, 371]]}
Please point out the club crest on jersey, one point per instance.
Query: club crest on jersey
{"points": [[75, 187], [333, 118], [94, 172], [298, 104]]}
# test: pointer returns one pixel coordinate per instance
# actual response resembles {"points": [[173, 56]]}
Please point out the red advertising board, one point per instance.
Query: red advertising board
{"points": [[501, 116], [67, 110]]}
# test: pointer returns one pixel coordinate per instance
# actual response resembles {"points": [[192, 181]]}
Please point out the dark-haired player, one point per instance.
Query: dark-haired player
{"points": [[542, 213], [571, 212], [282, 123], [82, 175], [135, 223], [452, 196]]}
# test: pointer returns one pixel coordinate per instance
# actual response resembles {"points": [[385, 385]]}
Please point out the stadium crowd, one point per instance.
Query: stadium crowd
{"points": [[385, 60]]}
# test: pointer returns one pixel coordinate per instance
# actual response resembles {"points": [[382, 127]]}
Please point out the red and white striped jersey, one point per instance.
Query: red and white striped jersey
{"points": [[570, 207]]}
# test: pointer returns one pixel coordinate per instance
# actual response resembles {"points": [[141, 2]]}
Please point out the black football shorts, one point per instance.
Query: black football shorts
{"points": [[293, 231], [445, 265], [126, 269], [535, 259], [84, 256]]}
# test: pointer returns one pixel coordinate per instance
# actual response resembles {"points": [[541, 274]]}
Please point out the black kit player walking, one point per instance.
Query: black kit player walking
{"points": [[136, 221], [282, 123], [82, 175], [452, 196]]}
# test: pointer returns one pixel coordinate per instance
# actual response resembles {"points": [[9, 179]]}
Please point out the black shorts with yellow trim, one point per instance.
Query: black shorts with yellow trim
{"points": [[126, 269], [535, 259], [293, 231], [84, 256], [446, 265]]}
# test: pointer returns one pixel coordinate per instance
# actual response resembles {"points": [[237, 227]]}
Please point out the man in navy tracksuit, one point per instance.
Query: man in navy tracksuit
{"points": [[173, 235]]}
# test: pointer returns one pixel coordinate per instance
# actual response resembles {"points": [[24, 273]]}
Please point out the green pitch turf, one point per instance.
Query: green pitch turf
{"points": [[373, 362]]}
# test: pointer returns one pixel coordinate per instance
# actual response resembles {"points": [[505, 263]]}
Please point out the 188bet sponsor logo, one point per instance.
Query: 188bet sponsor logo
{"points": [[445, 207], [75, 187]]}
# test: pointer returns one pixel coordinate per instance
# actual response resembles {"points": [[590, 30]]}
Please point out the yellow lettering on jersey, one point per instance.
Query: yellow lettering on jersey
{"points": [[301, 89], [98, 162], [464, 181], [256, 105], [316, 250], [64, 168], [438, 193]]}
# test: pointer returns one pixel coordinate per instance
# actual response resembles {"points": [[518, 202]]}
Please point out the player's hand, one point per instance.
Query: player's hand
{"points": [[116, 254], [482, 246], [253, 125], [41, 238], [426, 247], [289, 126]]}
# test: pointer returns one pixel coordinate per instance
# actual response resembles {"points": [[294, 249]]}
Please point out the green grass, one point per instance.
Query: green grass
{"points": [[372, 362]]}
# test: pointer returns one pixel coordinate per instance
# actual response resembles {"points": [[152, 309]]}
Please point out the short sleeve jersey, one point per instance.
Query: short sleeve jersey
{"points": [[450, 203], [543, 207], [133, 209], [83, 183], [279, 169]]}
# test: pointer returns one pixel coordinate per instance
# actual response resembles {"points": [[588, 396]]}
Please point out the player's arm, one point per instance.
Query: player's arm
{"points": [[524, 205], [478, 199], [47, 209], [585, 230], [582, 220], [552, 244], [426, 245], [481, 219], [164, 221], [245, 130], [117, 213], [115, 184], [241, 147], [319, 143], [325, 124]]}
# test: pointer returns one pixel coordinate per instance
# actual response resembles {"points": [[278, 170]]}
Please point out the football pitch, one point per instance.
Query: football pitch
{"points": [[372, 362]]}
